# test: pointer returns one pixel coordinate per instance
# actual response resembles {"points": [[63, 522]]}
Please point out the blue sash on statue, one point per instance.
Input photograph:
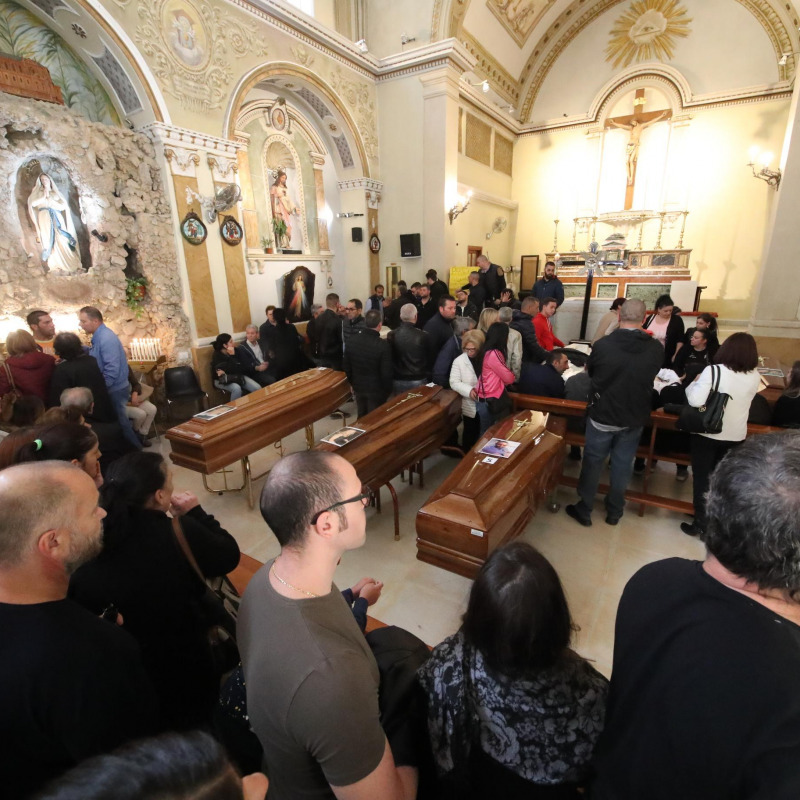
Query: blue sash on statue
{"points": [[55, 225]]}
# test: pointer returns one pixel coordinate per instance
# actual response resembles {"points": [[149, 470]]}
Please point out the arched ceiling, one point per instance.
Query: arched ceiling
{"points": [[518, 42]]}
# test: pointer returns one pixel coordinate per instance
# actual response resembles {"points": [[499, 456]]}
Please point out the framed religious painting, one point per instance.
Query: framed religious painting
{"points": [[528, 271], [193, 229], [374, 243], [231, 231]]}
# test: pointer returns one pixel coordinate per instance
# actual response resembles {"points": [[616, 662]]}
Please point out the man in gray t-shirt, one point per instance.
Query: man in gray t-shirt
{"points": [[312, 682]]}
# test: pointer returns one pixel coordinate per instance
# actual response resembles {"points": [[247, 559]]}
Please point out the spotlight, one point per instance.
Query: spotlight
{"points": [[361, 44], [405, 38], [783, 59], [485, 87]]}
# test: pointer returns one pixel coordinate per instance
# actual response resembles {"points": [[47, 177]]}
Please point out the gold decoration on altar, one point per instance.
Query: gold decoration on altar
{"points": [[647, 31]]}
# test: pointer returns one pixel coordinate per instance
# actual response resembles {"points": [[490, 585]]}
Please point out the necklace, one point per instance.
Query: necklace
{"points": [[291, 586]]}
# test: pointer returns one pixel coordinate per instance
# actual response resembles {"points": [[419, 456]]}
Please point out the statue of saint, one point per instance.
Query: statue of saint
{"points": [[283, 207], [49, 212], [632, 147]]}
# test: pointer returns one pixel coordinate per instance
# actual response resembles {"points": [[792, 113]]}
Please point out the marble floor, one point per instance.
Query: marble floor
{"points": [[594, 563]]}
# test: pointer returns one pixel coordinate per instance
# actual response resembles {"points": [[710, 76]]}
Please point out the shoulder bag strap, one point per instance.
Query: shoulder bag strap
{"points": [[10, 377], [187, 551], [716, 371]]}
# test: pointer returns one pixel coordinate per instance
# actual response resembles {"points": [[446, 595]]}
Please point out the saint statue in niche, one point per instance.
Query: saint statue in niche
{"points": [[52, 221], [283, 208], [298, 294]]}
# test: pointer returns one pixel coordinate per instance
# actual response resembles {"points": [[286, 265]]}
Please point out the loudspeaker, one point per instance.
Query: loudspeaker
{"points": [[409, 245], [358, 234]]}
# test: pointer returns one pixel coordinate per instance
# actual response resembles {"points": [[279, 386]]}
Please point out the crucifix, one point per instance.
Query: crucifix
{"points": [[635, 123]]}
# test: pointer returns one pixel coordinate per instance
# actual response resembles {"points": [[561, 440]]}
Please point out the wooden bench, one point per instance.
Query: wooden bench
{"points": [[659, 421]]}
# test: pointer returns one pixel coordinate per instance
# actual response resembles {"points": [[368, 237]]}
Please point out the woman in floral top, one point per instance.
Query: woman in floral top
{"points": [[512, 710]]}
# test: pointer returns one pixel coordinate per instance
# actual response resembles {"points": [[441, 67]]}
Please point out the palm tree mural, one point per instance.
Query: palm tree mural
{"points": [[23, 35]]}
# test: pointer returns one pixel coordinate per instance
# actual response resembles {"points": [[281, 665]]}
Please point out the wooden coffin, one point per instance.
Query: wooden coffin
{"points": [[258, 420], [482, 506], [401, 432]]}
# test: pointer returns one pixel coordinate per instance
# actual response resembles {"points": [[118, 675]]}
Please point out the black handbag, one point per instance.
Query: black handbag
{"points": [[707, 418]]}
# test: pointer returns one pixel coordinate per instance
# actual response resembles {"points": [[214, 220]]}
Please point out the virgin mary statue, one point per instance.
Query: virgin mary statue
{"points": [[49, 212]]}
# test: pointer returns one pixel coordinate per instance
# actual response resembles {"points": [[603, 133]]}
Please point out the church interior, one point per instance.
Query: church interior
{"points": [[201, 150]]}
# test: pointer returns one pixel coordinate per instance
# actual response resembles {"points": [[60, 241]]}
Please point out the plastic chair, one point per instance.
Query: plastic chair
{"points": [[180, 383]]}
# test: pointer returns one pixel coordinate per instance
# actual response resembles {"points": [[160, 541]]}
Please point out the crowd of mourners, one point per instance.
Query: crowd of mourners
{"points": [[120, 677]]}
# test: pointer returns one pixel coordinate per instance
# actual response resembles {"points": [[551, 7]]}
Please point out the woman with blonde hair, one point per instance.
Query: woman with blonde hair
{"points": [[487, 318], [464, 379], [26, 370]]}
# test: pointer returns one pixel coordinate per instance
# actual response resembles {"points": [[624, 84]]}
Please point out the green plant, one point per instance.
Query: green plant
{"points": [[135, 293], [280, 229], [266, 242]]}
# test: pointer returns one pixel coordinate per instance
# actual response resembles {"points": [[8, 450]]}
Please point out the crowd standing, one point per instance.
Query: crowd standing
{"points": [[103, 566]]}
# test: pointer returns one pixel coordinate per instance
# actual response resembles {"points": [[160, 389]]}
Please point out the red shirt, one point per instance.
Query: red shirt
{"points": [[31, 373], [544, 332]]}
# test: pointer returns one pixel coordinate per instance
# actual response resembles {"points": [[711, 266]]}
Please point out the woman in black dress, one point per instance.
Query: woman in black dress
{"points": [[286, 347]]}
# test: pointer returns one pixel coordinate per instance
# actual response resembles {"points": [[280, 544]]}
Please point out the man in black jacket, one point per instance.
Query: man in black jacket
{"points": [[368, 364], [477, 292], [491, 279], [544, 380], [409, 351], [522, 321], [436, 286], [392, 313], [426, 307], [464, 307], [622, 366], [440, 326], [326, 335]]}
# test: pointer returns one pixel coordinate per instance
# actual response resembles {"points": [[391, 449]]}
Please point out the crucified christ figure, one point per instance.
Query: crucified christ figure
{"points": [[632, 148]]}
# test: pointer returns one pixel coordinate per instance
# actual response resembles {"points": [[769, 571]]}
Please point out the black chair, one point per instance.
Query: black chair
{"points": [[180, 383]]}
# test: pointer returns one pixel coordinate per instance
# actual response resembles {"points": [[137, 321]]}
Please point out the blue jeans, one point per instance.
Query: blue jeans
{"points": [[621, 446], [484, 416], [119, 398], [235, 390]]}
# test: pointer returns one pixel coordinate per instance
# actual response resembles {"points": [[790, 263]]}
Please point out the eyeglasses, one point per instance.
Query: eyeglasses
{"points": [[351, 310], [364, 498], [469, 348]]}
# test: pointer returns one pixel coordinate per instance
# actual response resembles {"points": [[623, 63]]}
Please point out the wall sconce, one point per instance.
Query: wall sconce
{"points": [[405, 39], [771, 176], [101, 236], [459, 207]]}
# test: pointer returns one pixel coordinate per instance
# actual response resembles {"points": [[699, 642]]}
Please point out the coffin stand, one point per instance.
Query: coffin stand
{"points": [[482, 506], [398, 435], [259, 419]]}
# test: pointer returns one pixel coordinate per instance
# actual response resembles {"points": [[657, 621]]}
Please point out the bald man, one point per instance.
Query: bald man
{"points": [[71, 684]]}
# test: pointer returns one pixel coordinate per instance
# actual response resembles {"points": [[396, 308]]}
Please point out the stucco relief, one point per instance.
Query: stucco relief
{"points": [[518, 16], [303, 56], [190, 46], [647, 32], [359, 98]]}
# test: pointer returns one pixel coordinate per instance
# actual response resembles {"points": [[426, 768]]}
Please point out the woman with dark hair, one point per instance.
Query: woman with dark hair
{"points": [[286, 347], [65, 441], [666, 325], [493, 402], [30, 368], [227, 371], [786, 413], [703, 322], [509, 675], [78, 368], [609, 321], [690, 361], [144, 574], [735, 364]]}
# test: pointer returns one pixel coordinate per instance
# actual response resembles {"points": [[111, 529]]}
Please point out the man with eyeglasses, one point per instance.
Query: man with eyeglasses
{"points": [[312, 681], [353, 321]]}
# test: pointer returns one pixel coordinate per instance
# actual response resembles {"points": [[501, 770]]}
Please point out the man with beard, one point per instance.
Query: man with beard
{"points": [[71, 684]]}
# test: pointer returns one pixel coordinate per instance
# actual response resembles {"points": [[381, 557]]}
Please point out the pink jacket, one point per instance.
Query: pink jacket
{"points": [[495, 375]]}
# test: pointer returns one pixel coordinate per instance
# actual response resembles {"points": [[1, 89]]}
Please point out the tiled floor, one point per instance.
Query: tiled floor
{"points": [[594, 563]]}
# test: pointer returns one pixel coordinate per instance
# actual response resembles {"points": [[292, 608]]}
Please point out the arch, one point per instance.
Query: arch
{"points": [[282, 69], [256, 108], [448, 16]]}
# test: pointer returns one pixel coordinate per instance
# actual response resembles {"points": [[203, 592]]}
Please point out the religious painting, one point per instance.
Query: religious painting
{"points": [[193, 229], [49, 211], [647, 31], [278, 117], [231, 231], [528, 270], [298, 294], [184, 33], [518, 16]]}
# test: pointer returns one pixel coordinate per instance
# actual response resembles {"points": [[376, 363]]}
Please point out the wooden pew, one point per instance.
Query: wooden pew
{"points": [[659, 420], [259, 419], [481, 506], [400, 434]]}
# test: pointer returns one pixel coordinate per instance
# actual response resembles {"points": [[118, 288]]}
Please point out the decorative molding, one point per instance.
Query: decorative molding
{"points": [[190, 61], [182, 161], [221, 168], [373, 199], [487, 197], [502, 81], [257, 109], [171, 135], [368, 184], [359, 97], [528, 17], [430, 56]]}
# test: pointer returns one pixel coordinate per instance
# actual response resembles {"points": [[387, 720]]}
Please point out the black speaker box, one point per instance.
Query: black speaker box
{"points": [[409, 245], [358, 234]]}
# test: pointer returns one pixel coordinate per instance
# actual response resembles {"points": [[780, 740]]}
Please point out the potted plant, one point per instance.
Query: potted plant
{"points": [[135, 293], [266, 243], [279, 227]]}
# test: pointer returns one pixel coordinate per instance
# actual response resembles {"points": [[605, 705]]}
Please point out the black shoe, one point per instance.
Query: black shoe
{"points": [[682, 473], [639, 466], [574, 453], [573, 512], [612, 520], [690, 529], [144, 440]]}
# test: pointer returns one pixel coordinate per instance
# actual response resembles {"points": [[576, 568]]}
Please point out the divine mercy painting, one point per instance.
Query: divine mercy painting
{"points": [[298, 294]]}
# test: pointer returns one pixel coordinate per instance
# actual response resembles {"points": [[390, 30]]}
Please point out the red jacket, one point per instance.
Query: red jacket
{"points": [[31, 373], [544, 332]]}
